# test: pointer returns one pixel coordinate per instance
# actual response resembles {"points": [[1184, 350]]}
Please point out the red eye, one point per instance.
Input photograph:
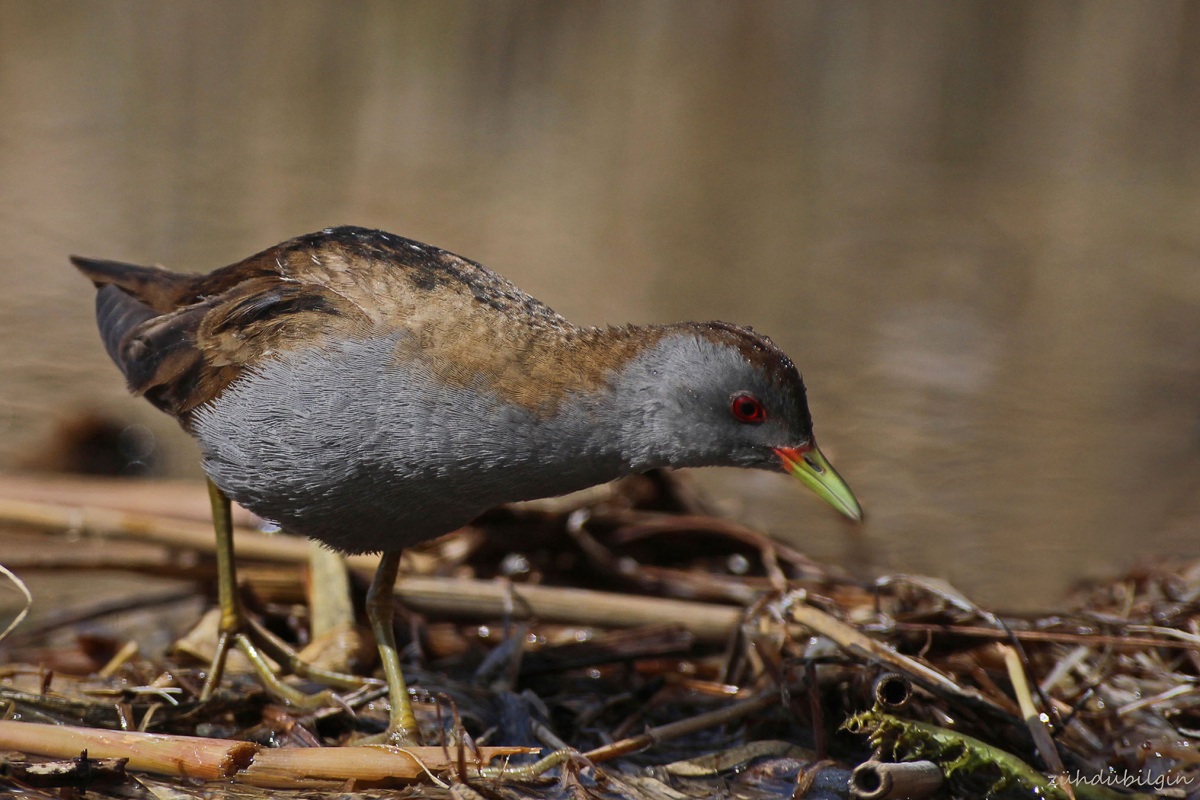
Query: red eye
{"points": [[747, 408]]}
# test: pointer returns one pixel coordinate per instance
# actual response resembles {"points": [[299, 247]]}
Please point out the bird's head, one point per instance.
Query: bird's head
{"points": [[716, 394]]}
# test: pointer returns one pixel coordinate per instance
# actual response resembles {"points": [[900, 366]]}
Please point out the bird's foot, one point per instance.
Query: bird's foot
{"points": [[394, 737], [263, 650], [292, 662]]}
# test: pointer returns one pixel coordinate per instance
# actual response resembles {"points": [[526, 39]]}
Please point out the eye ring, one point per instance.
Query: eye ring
{"points": [[747, 408]]}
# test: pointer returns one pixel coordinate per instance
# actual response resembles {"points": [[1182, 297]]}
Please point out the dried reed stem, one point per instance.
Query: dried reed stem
{"points": [[244, 762], [707, 622]]}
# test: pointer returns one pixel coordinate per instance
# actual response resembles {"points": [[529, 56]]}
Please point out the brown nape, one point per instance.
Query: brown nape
{"points": [[534, 369]]}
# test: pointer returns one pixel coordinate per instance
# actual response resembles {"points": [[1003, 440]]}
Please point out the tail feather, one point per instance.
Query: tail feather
{"points": [[158, 288], [118, 313], [148, 318]]}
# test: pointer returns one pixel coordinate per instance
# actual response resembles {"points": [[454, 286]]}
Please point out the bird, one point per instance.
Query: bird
{"points": [[372, 392]]}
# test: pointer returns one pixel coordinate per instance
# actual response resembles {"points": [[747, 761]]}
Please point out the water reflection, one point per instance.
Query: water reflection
{"points": [[975, 226]]}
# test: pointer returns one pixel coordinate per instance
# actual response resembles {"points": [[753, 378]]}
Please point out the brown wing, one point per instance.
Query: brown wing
{"points": [[181, 339]]}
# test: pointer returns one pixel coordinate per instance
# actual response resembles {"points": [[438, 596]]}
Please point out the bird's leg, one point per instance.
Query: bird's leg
{"points": [[235, 629], [232, 616], [402, 724], [285, 654]]}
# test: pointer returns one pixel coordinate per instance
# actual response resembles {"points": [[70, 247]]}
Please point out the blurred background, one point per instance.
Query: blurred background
{"points": [[974, 226]]}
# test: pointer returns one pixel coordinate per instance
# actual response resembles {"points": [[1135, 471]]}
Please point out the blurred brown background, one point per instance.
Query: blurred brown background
{"points": [[975, 226]]}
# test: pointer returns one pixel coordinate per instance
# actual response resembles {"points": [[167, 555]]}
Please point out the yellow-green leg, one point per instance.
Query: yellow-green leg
{"points": [[232, 617], [235, 629], [402, 724]]}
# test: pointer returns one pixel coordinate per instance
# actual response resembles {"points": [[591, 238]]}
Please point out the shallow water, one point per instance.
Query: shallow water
{"points": [[976, 227]]}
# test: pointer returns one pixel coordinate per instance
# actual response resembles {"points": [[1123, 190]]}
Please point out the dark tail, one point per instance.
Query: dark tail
{"points": [[127, 297], [158, 288], [118, 313]]}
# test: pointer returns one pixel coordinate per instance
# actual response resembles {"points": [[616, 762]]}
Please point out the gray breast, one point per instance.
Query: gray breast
{"points": [[346, 447]]}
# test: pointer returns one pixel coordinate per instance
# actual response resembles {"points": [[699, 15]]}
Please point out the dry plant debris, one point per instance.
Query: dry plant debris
{"points": [[618, 643]]}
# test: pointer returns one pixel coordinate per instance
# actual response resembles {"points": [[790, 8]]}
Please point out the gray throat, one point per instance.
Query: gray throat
{"points": [[346, 447]]}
